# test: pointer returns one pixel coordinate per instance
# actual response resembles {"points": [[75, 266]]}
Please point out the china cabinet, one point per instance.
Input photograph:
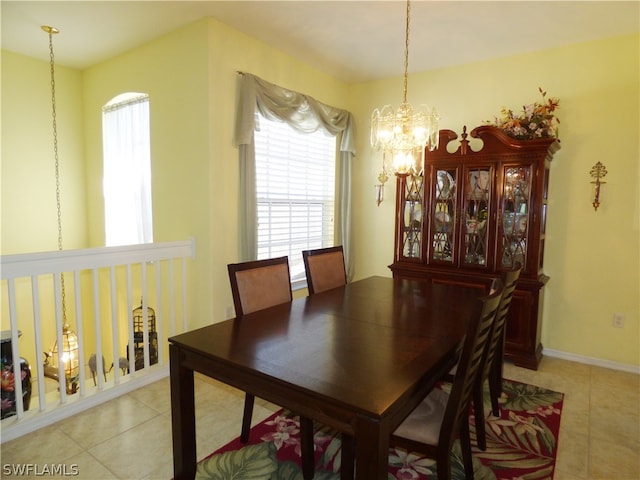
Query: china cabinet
{"points": [[474, 212]]}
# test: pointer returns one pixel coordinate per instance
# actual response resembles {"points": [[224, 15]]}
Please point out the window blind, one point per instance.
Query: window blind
{"points": [[295, 189]]}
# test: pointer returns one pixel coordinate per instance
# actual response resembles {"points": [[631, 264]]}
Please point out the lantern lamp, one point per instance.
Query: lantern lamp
{"points": [[139, 315], [68, 357]]}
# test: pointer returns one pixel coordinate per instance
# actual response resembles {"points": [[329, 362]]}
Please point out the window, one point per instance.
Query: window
{"points": [[295, 189], [127, 170]]}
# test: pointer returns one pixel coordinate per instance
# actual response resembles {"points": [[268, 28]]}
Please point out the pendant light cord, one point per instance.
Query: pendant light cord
{"points": [[406, 53], [51, 31]]}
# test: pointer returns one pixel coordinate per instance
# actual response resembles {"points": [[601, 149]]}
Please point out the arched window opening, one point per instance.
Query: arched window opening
{"points": [[127, 170]]}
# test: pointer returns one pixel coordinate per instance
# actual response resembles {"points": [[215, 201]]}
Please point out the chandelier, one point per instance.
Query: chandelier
{"points": [[402, 135]]}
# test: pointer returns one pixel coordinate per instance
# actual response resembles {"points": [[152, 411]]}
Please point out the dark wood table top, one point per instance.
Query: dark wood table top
{"points": [[357, 358], [370, 349]]}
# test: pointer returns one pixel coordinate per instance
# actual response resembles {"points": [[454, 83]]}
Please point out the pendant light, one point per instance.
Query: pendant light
{"points": [[66, 357], [403, 134]]}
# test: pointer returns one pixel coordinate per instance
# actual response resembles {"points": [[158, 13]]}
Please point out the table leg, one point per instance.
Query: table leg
{"points": [[183, 419], [307, 448], [347, 457], [372, 450]]}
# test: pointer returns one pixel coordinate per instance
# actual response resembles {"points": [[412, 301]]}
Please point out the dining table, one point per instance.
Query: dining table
{"points": [[357, 358]]}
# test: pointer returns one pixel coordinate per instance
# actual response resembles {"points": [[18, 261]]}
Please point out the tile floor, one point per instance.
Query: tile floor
{"points": [[130, 437]]}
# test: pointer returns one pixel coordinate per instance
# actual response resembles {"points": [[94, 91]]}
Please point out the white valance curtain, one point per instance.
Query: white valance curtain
{"points": [[304, 114]]}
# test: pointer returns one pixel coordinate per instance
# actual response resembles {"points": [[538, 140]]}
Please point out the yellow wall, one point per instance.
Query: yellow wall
{"points": [[190, 74], [593, 258], [28, 185], [191, 77], [173, 70]]}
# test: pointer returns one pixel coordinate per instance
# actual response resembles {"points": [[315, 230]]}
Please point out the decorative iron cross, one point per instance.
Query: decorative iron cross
{"points": [[598, 171]]}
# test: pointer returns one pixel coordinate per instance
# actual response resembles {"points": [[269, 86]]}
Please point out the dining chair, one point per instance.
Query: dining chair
{"points": [[492, 364], [324, 268], [494, 357], [259, 284], [434, 425], [256, 285]]}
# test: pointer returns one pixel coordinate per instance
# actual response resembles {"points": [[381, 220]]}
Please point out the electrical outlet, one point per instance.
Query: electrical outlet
{"points": [[618, 320], [229, 312]]}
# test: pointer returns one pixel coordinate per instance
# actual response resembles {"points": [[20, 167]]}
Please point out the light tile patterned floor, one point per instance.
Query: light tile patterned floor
{"points": [[130, 437]]}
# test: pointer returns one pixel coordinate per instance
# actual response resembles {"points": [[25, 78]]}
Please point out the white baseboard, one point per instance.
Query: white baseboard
{"points": [[598, 362]]}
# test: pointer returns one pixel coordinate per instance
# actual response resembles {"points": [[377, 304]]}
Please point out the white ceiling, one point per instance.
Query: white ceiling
{"points": [[353, 40]]}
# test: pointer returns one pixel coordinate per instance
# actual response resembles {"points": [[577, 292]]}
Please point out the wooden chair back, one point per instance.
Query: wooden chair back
{"points": [[469, 366], [259, 284], [495, 345], [436, 423], [324, 268]]}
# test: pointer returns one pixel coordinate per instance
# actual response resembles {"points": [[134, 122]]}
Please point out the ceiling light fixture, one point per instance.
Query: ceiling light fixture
{"points": [[64, 353], [403, 134]]}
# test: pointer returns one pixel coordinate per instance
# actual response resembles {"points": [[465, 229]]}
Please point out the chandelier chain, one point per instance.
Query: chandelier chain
{"points": [[406, 52], [57, 163]]}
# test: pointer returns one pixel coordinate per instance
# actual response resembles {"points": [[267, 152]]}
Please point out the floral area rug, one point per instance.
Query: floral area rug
{"points": [[521, 444]]}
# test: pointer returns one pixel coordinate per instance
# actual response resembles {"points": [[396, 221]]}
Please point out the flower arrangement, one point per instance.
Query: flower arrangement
{"points": [[536, 120]]}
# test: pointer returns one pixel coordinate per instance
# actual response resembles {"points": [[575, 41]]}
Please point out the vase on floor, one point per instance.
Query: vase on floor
{"points": [[7, 392]]}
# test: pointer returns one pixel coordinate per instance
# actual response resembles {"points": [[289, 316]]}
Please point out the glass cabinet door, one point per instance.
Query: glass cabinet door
{"points": [[413, 217], [444, 215], [477, 196], [515, 212]]}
